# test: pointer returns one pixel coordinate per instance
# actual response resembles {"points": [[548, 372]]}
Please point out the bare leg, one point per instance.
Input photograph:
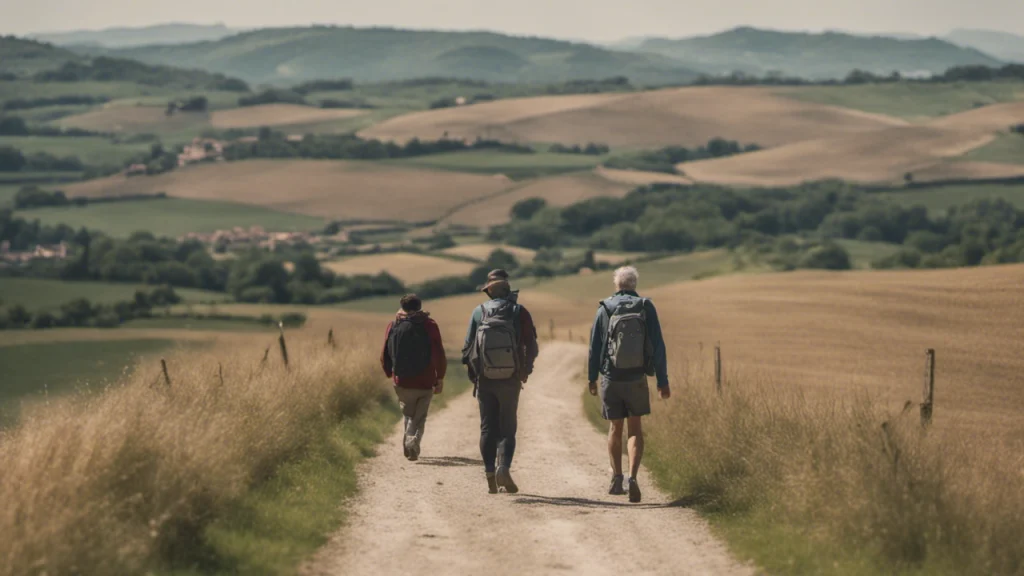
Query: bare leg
{"points": [[636, 444], [615, 446]]}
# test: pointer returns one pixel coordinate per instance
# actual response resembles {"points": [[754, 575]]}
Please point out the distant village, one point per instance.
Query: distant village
{"points": [[257, 237], [40, 252]]}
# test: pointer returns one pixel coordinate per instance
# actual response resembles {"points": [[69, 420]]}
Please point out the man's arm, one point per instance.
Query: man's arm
{"points": [[385, 356], [528, 339], [438, 359], [658, 341], [474, 321], [597, 336]]}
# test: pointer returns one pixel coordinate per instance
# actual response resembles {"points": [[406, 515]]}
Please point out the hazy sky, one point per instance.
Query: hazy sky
{"points": [[579, 19]]}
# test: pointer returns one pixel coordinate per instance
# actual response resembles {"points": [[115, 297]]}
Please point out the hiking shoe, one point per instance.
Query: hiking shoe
{"points": [[504, 479], [492, 483], [405, 448], [634, 491], [414, 453], [616, 488]]}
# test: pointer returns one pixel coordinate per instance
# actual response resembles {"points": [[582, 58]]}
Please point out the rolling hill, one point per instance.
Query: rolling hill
{"points": [[173, 33], [681, 116], [827, 55], [1002, 45], [289, 55], [25, 57]]}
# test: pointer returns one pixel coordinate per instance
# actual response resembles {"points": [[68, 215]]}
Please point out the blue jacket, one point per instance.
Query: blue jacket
{"points": [[599, 335]]}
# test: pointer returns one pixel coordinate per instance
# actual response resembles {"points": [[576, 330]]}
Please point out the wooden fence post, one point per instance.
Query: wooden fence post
{"points": [[551, 328], [929, 387], [570, 334], [284, 347], [220, 373], [330, 338], [718, 368], [167, 377]]}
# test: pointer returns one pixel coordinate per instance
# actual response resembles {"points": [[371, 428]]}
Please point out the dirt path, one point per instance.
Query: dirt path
{"points": [[435, 516]]}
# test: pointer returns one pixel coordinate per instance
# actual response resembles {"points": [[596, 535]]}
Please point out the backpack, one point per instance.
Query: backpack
{"points": [[496, 347], [409, 348], [628, 349]]}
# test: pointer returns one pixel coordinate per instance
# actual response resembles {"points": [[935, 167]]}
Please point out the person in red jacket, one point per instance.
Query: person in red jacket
{"points": [[413, 356]]}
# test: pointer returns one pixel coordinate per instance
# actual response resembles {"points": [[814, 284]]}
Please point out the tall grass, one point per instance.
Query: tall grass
{"points": [[843, 476], [125, 481]]}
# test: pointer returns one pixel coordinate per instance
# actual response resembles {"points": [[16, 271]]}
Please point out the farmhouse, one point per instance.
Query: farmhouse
{"points": [[40, 252]]}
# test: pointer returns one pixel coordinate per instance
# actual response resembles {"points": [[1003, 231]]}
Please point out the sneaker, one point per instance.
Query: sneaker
{"points": [[504, 479], [616, 488], [405, 448], [492, 483], [634, 491], [414, 453]]}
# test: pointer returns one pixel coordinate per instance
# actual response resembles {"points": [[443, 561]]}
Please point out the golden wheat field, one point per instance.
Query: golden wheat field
{"points": [[277, 115], [482, 251], [328, 189], [681, 116], [409, 268], [135, 119], [556, 190]]}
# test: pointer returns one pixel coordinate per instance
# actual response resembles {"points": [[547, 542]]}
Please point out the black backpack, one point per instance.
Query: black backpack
{"points": [[409, 348]]}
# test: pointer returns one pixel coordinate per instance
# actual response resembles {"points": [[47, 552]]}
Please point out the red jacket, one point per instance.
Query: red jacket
{"points": [[438, 361]]}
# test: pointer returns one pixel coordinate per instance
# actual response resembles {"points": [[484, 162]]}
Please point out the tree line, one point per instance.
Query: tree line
{"points": [[271, 144], [665, 159], [668, 218]]}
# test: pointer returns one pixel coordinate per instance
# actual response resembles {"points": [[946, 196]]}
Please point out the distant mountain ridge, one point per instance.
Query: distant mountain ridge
{"points": [[1002, 45], [814, 55], [289, 55], [173, 33]]}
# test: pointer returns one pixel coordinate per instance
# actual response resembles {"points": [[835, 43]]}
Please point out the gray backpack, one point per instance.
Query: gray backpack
{"points": [[497, 341], [628, 350]]}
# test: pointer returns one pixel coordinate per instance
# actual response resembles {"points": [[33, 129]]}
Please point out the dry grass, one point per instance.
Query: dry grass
{"points": [[844, 475], [277, 115], [685, 116], [409, 268], [125, 481], [327, 189], [556, 190]]}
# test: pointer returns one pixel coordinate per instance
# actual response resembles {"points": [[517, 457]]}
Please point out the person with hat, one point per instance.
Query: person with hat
{"points": [[499, 352]]}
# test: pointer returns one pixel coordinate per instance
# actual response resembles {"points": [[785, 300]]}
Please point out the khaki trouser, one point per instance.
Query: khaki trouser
{"points": [[414, 403]]}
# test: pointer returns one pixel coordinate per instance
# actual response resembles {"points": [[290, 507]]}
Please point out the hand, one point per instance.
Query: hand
{"points": [[525, 379], [439, 387], [593, 388], [665, 393]]}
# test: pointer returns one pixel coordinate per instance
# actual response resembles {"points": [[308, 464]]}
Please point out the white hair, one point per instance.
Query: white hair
{"points": [[626, 278]]}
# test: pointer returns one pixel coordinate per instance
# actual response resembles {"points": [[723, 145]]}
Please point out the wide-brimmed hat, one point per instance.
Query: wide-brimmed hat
{"points": [[494, 278]]}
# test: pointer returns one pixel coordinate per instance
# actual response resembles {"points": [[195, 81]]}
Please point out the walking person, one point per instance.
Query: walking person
{"points": [[414, 357], [626, 346], [499, 352]]}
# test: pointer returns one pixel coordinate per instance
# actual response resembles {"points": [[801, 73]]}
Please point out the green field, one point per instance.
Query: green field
{"points": [[22, 178], [1008, 149], [172, 217], [33, 371], [212, 325], [937, 200], [911, 99], [515, 166], [93, 151], [37, 294], [862, 254]]}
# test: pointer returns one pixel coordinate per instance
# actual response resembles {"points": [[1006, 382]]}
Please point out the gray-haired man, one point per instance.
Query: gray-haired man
{"points": [[626, 346]]}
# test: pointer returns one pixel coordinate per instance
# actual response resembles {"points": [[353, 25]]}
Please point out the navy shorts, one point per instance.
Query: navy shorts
{"points": [[623, 399]]}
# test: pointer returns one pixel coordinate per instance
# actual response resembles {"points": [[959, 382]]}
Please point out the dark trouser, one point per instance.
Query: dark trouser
{"points": [[499, 402]]}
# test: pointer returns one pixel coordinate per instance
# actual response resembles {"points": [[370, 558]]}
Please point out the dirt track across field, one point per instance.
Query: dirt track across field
{"points": [[435, 516]]}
